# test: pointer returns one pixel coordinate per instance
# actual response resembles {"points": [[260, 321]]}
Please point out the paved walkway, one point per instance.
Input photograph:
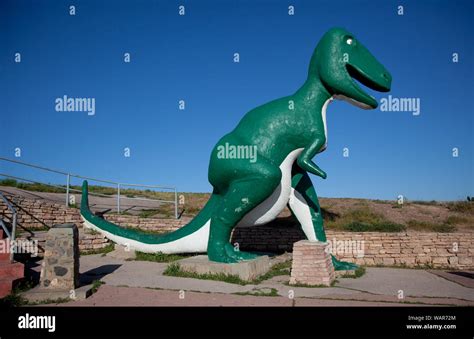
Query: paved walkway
{"points": [[140, 283], [136, 296]]}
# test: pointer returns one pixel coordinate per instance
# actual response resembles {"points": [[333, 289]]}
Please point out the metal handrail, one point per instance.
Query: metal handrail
{"points": [[79, 191], [83, 177], [51, 185], [12, 234], [5, 229], [118, 185]]}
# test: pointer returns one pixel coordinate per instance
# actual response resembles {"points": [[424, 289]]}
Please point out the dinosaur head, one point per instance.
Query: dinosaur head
{"points": [[340, 59]]}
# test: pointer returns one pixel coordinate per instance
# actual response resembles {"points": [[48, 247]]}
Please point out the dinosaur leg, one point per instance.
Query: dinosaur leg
{"points": [[304, 204], [240, 197]]}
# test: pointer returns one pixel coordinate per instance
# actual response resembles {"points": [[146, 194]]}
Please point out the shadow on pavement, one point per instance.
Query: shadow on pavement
{"points": [[97, 273]]}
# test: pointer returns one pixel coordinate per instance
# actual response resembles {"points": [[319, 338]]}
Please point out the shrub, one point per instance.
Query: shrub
{"points": [[364, 220], [8, 182], [454, 220], [461, 206], [159, 257], [434, 227]]}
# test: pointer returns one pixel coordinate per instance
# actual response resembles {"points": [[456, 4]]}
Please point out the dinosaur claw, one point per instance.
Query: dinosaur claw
{"points": [[343, 265]]}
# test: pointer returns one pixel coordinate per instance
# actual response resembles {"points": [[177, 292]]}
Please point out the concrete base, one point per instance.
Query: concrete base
{"points": [[121, 252], [347, 273], [39, 294], [246, 270]]}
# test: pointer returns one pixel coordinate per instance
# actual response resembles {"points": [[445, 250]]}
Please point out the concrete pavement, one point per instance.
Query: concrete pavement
{"points": [[141, 283], [134, 296], [413, 282]]}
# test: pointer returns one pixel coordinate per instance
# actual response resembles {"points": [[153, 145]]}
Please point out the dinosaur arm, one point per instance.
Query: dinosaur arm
{"points": [[305, 162]]}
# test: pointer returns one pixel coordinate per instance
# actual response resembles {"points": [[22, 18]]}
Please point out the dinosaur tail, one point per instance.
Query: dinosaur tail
{"points": [[191, 238]]}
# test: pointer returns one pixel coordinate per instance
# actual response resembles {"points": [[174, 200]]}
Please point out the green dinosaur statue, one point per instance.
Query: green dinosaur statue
{"points": [[263, 164]]}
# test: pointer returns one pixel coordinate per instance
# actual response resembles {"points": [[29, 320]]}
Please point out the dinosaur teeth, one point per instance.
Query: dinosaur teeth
{"points": [[353, 101]]}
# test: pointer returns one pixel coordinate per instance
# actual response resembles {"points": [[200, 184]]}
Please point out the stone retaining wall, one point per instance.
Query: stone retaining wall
{"points": [[88, 241], [451, 250], [267, 238], [411, 249], [147, 224], [39, 214]]}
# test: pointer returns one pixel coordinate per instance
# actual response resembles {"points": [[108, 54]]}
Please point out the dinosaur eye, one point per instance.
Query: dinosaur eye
{"points": [[349, 41]]}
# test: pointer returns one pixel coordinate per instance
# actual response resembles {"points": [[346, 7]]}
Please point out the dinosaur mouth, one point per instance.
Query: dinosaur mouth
{"points": [[376, 83]]}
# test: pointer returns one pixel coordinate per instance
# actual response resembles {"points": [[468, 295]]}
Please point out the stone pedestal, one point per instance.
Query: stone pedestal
{"points": [[60, 269], [312, 264], [245, 270]]}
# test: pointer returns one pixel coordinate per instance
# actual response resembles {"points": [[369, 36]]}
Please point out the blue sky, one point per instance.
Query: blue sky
{"points": [[190, 57]]}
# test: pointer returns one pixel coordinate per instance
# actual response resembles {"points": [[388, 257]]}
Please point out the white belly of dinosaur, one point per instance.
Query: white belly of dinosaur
{"points": [[323, 117], [269, 209]]}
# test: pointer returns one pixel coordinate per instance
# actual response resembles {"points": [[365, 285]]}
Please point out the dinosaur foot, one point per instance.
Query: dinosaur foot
{"points": [[222, 257], [229, 255], [343, 265], [239, 255]]}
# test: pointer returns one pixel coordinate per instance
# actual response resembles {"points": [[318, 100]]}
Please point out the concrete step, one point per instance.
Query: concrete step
{"points": [[4, 246], [4, 251], [6, 286], [4, 257], [12, 270]]}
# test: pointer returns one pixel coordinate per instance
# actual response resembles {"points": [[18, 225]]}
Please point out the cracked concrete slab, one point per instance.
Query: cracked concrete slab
{"points": [[413, 282], [142, 283]]}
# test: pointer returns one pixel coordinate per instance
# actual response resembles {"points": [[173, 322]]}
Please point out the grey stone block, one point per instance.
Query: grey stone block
{"points": [[60, 267]]}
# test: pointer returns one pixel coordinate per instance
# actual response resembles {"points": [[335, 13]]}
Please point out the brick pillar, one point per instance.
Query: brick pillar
{"points": [[60, 269], [312, 264]]}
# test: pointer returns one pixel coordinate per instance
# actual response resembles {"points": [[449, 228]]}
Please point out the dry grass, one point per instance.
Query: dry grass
{"points": [[363, 219], [461, 207], [431, 227]]}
